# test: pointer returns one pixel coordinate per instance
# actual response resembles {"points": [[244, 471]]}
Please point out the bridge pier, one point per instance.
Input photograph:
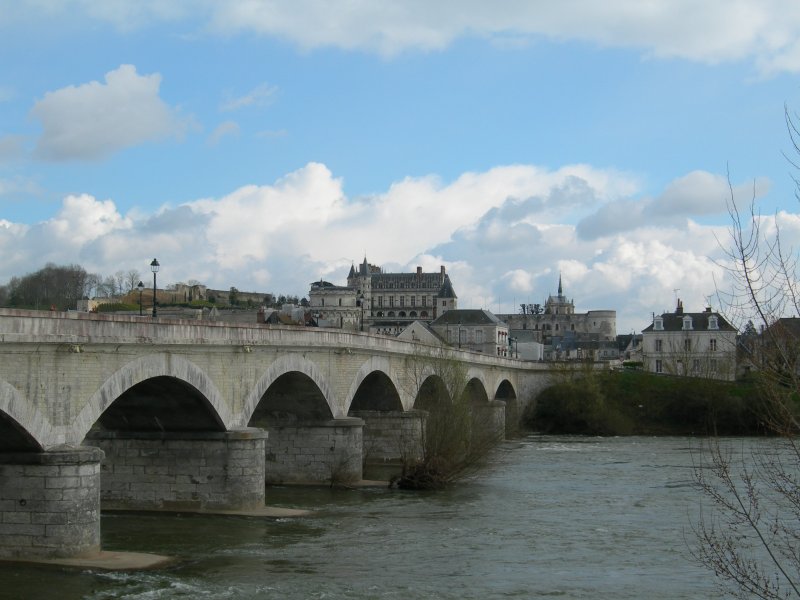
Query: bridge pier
{"points": [[50, 503], [394, 436], [197, 471], [314, 451], [490, 419]]}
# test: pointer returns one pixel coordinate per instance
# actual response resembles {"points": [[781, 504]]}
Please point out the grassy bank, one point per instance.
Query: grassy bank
{"points": [[640, 403]]}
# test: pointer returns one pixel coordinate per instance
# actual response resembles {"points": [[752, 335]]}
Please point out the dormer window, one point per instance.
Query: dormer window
{"points": [[658, 324], [687, 323], [713, 322]]}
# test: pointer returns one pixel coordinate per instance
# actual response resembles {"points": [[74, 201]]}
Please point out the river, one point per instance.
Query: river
{"points": [[550, 517]]}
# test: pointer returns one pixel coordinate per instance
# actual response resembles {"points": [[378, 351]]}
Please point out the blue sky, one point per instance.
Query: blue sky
{"points": [[264, 145]]}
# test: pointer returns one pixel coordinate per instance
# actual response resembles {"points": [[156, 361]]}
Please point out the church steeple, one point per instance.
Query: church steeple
{"points": [[560, 289]]}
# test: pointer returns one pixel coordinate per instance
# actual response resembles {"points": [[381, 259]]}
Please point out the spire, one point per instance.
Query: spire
{"points": [[560, 289]]}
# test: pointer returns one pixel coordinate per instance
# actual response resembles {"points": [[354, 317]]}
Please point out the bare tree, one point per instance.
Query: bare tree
{"points": [[132, 278], [751, 538], [457, 433]]}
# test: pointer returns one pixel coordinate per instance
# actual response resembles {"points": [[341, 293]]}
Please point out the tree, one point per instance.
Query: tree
{"points": [[132, 279], [457, 434], [751, 540]]}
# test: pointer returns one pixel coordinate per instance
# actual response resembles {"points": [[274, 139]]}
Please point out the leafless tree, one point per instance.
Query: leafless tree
{"points": [[751, 537]]}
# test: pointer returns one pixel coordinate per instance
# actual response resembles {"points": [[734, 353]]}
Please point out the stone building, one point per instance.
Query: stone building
{"points": [[564, 333], [477, 330], [691, 344], [381, 302]]}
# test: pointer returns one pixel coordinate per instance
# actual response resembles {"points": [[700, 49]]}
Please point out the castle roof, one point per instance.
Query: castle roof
{"points": [[467, 316]]}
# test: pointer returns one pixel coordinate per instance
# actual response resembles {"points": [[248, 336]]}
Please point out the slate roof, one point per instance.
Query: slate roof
{"points": [[674, 322], [467, 316]]}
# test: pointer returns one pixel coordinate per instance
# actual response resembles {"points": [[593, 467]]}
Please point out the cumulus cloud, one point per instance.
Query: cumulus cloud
{"points": [[696, 194], [504, 235], [764, 31], [12, 147], [94, 120]]}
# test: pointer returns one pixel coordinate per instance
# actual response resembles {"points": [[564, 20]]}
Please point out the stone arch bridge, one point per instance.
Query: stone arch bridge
{"points": [[150, 414]]}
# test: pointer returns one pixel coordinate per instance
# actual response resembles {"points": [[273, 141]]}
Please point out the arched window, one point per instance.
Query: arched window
{"points": [[402, 313], [413, 313]]}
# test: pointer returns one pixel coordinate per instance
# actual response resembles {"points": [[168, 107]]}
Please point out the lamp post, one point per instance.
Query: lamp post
{"points": [[140, 287], [154, 266]]}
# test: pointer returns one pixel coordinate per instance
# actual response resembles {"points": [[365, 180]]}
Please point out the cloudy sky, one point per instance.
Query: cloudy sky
{"points": [[265, 144]]}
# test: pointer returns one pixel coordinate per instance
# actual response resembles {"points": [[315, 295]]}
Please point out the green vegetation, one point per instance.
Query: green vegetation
{"points": [[639, 403]]}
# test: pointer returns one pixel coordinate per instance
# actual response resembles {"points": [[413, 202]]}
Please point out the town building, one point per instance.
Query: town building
{"points": [[564, 333], [384, 303], [473, 329], [690, 344]]}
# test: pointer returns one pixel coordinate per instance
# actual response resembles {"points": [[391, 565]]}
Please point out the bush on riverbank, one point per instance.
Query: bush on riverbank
{"points": [[640, 403]]}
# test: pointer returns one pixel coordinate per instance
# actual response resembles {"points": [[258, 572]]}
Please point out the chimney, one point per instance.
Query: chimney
{"points": [[419, 271]]}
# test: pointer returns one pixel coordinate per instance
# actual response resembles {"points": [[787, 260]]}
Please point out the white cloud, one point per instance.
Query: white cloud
{"points": [[224, 129], [504, 236], [12, 147], [713, 31], [94, 120], [257, 97]]}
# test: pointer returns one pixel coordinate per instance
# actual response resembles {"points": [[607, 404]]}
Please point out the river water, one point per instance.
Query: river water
{"points": [[550, 517]]}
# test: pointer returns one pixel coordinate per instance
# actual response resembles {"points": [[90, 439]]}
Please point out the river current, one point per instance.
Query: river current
{"points": [[549, 517]]}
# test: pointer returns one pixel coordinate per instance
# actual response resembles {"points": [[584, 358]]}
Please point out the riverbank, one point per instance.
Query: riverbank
{"points": [[640, 403]]}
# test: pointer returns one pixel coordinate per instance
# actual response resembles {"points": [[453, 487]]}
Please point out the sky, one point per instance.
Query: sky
{"points": [[266, 144]]}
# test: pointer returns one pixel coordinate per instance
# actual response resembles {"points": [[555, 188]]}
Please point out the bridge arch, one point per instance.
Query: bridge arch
{"points": [[293, 363], [151, 367], [376, 375], [22, 426], [477, 386]]}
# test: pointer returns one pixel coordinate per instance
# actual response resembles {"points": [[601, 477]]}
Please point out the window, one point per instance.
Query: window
{"points": [[696, 365], [478, 336], [687, 323], [687, 345], [340, 301], [402, 301], [659, 345], [391, 300], [659, 367], [712, 345], [413, 301], [444, 302], [380, 301], [323, 302], [713, 322], [462, 336], [658, 325], [424, 301]]}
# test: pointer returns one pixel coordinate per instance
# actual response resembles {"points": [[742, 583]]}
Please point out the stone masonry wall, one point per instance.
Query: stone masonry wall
{"points": [[182, 471], [320, 452], [392, 436], [50, 503]]}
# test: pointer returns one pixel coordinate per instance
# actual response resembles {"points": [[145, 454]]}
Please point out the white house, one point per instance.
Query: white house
{"points": [[691, 344]]}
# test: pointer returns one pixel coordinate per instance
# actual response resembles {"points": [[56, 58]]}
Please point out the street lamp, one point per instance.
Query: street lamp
{"points": [[140, 287], [154, 266]]}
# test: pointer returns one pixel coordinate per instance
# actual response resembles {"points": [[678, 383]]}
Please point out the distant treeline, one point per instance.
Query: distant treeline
{"points": [[61, 286], [641, 403]]}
